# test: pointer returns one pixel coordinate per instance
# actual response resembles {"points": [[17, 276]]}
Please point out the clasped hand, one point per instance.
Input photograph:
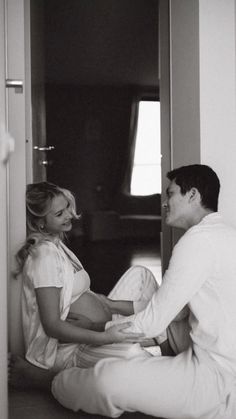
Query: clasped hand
{"points": [[117, 333]]}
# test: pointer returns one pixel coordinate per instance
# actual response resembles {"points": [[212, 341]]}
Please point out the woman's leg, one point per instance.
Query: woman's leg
{"points": [[137, 284], [92, 354]]}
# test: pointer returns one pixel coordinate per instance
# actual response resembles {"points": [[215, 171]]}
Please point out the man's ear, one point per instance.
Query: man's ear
{"points": [[194, 195]]}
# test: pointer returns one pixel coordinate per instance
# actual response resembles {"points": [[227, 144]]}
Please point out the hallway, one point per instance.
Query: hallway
{"points": [[105, 262]]}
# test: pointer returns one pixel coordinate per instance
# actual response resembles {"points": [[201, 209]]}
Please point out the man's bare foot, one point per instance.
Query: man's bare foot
{"points": [[22, 375]]}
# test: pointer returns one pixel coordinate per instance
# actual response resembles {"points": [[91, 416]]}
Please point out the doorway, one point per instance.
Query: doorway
{"points": [[88, 72]]}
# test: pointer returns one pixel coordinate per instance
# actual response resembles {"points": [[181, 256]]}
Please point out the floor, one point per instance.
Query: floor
{"points": [[105, 262], [33, 405]]}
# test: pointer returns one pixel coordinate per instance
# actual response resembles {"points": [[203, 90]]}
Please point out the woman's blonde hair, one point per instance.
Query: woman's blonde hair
{"points": [[39, 198]]}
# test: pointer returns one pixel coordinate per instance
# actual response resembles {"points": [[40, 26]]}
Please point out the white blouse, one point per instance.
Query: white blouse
{"points": [[51, 264]]}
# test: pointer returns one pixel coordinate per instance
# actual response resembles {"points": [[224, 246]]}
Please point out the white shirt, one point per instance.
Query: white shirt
{"points": [[201, 275], [51, 264]]}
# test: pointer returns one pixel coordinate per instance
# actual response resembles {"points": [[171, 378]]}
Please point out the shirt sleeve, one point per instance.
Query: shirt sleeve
{"points": [[45, 266], [139, 305], [188, 269]]}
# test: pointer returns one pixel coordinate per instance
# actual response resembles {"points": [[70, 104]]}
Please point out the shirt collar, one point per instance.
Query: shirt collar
{"points": [[211, 218]]}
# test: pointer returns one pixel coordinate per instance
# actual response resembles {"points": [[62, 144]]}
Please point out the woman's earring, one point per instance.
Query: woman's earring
{"points": [[41, 226]]}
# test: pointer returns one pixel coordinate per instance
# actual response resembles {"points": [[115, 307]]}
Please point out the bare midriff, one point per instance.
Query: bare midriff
{"points": [[90, 305]]}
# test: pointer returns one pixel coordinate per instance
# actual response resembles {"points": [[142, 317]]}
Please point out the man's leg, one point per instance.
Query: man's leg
{"points": [[175, 387], [178, 334], [178, 338]]}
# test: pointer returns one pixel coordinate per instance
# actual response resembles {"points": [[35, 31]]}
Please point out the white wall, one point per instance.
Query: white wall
{"points": [[179, 93], [184, 82], [164, 76], [217, 96], [184, 86], [201, 87]]}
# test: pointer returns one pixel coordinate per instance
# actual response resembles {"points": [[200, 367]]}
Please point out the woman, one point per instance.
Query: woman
{"points": [[63, 320]]}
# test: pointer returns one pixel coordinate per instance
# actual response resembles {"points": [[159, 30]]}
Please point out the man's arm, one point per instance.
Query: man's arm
{"points": [[188, 269]]}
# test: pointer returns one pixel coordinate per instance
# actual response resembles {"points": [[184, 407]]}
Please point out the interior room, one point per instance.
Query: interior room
{"points": [[191, 71], [99, 60], [92, 63]]}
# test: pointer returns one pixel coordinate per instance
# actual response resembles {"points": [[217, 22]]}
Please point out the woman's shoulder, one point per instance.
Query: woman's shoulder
{"points": [[43, 247], [43, 257]]}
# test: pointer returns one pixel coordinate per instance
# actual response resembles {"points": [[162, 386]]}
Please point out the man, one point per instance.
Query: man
{"points": [[195, 306]]}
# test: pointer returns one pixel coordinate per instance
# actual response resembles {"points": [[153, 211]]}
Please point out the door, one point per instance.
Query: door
{"points": [[12, 176], [3, 229], [39, 153]]}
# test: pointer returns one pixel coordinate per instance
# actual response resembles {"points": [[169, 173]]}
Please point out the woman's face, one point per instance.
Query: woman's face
{"points": [[58, 219]]}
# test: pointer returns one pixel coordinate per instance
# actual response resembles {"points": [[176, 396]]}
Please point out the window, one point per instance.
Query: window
{"points": [[146, 174]]}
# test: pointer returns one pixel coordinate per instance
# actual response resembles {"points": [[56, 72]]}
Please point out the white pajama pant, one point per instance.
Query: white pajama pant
{"points": [[182, 387], [138, 283], [177, 387]]}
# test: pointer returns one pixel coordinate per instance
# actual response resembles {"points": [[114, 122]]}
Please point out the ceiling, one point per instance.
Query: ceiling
{"points": [[102, 42]]}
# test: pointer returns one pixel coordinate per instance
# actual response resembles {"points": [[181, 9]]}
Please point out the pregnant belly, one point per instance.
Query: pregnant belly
{"points": [[89, 305]]}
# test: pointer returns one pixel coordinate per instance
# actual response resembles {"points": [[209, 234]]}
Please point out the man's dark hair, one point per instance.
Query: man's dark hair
{"points": [[201, 177]]}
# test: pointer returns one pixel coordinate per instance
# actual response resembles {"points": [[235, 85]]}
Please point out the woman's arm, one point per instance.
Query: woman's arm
{"points": [[48, 299]]}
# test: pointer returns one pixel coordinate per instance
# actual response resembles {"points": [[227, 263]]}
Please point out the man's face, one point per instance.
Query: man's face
{"points": [[177, 207]]}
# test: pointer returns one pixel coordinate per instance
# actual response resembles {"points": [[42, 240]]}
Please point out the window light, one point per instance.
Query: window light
{"points": [[146, 174]]}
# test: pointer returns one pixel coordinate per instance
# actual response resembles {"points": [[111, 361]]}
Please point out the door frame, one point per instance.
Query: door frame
{"points": [[3, 229]]}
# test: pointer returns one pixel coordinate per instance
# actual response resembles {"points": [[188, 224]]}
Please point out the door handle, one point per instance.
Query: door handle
{"points": [[15, 84], [49, 148], [45, 163]]}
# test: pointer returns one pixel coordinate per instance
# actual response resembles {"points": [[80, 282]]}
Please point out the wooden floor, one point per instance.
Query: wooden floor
{"points": [[105, 262]]}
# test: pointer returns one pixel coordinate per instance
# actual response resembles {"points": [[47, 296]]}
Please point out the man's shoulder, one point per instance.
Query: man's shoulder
{"points": [[211, 230]]}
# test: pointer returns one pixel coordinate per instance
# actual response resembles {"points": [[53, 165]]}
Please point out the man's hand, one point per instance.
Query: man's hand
{"points": [[117, 333], [146, 342], [123, 307], [79, 320], [106, 302]]}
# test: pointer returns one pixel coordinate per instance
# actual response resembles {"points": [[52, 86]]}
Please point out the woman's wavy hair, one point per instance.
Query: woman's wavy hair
{"points": [[39, 198]]}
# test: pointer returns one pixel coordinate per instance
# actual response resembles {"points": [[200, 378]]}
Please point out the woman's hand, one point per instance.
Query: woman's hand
{"points": [[117, 334]]}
